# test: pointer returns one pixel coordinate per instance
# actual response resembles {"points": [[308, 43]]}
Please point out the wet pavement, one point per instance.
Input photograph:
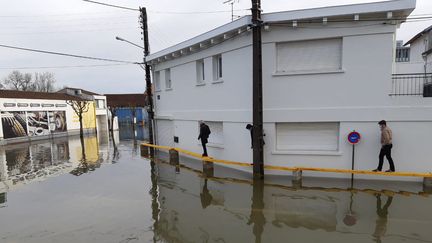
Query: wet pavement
{"points": [[102, 190]]}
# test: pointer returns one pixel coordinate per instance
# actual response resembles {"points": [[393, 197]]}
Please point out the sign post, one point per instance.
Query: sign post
{"points": [[353, 138]]}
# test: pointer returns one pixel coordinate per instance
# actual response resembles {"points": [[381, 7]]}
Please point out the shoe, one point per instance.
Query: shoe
{"points": [[389, 171], [376, 170]]}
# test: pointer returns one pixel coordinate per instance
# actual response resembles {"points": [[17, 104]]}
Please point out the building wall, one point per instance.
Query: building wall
{"points": [[62, 117], [124, 115], [356, 98]]}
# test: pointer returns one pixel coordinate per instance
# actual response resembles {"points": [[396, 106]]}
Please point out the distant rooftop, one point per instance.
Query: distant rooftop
{"points": [[423, 32], [82, 90], [15, 94], [126, 100]]}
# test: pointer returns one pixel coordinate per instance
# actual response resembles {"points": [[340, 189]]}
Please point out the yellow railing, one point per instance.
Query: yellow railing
{"points": [[284, 168]]}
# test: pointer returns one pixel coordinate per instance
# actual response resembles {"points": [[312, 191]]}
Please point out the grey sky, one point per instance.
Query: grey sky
{"points": [[78, 27]]}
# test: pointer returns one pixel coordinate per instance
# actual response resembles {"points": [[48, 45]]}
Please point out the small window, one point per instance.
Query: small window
{"points": [[216, 136], [100, 104], [217, 68], [200, 71], [157, 81], [308, 136], [168, 82], [402, 54]]}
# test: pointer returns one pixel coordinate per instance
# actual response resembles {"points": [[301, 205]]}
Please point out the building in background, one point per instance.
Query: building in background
{"points": [[415, 56], [101, 111], [28, 116], [326, 72], [128, 108]]}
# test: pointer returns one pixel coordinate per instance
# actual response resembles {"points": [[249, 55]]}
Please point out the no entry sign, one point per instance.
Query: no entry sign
{"points": [[354, 137]]}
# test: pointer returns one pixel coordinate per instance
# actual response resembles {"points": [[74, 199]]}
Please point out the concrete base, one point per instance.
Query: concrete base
{"points": [[144, 151], [174, 157], [297, 175], [208, 169], [427, 184]]}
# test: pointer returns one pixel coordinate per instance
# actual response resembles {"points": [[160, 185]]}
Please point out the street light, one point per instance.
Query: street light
{"points": [[121, 39]]}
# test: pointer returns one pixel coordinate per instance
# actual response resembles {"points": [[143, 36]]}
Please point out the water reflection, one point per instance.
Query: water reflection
{"points": [[381, 222], [25, 163], [129, 132], [233, 210]]}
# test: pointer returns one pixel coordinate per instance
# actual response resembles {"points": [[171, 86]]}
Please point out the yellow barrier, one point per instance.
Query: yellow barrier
{"points": [[283, 168]]}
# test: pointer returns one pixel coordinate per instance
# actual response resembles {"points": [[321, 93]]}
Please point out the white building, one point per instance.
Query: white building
{"points": [[415, 56], [326, 72], [101, 109]]}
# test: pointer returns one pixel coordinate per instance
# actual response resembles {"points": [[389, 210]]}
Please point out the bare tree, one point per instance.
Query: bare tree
{"points": [[79, 107], [19, 81], [44, 82]]}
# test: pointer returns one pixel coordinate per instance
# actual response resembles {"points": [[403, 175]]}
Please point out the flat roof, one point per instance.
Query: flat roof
{"points": [[16, 94]]}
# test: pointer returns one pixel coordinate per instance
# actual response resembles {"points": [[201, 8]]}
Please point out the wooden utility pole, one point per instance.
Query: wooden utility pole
{"points": [[149, 91], [258, 142]]}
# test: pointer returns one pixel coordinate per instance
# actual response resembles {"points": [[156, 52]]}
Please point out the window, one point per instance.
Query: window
{"points": [[402, 54], [168, 82], [200, 71], [311, 136], [157, 81], [217, 67], [309, 56], [100, 104], [216, 136]]}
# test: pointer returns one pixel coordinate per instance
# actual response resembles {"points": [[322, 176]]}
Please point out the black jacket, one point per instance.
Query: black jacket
{"points": [[204, 132]]}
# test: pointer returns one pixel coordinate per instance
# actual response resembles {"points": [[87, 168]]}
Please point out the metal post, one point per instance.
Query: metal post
{"points": [[352, 162], [258, 150], [147, 75]]}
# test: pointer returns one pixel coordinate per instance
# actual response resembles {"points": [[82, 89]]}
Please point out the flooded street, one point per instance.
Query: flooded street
{"points": [[55, 191]]}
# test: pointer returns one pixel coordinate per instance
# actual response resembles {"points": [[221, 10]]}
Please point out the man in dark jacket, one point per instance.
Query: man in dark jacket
{"points": [[204, 135]]}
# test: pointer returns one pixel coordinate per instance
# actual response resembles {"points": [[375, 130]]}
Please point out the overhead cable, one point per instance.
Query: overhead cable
{"points": [[111, 5], [66, 54], [67, 66]]}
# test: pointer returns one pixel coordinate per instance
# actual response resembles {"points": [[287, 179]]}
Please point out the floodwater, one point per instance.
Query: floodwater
{"points": [[102, 190]]}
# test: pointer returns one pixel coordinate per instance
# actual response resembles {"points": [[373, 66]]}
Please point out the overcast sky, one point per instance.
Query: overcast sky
{"points": [[82, 28]]}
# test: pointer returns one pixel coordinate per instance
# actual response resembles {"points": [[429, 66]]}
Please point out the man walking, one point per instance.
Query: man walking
{"points": [[204, 135], [386, 146]]}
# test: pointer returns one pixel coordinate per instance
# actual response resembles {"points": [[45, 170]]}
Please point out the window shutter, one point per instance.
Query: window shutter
{"points": [[307, 136], [309, 55]]}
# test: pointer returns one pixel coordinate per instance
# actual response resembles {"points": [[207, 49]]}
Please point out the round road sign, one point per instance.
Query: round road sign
{"points": [[354, 137]]}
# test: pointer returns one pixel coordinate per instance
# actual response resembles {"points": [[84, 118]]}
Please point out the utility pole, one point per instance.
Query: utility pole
{"points": [[149, 91], [258, 141]]}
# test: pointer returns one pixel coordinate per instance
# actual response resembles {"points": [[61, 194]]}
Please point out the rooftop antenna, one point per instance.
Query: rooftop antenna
{"points": [[231, 2]]}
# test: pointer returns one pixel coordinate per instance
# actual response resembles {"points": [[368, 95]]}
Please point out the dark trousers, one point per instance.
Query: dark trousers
{"points": [[203, 143], [386, 151]]}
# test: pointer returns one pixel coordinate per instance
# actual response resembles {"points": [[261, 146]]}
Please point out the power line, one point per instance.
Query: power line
{"points": [[111, 5], [163, 12], [65, 54], [198, 12], [63, 14], [67, 31], [61, 67]]}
